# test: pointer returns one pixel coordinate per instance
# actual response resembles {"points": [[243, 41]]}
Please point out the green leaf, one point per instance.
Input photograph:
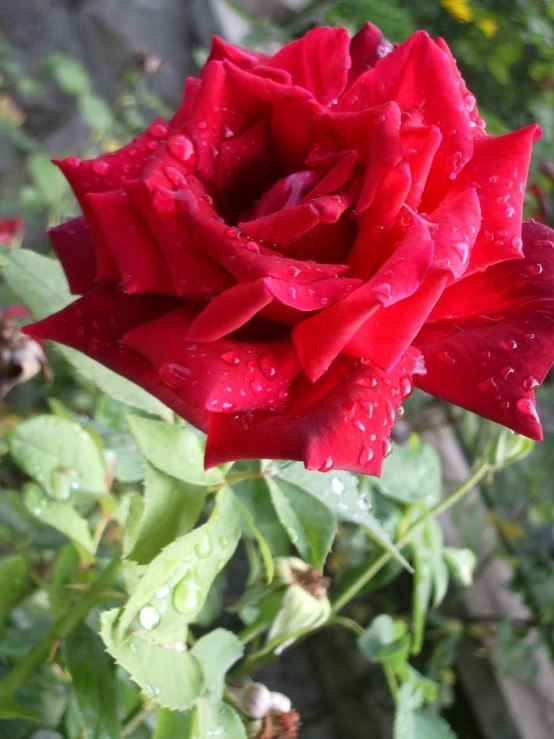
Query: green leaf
{"points": [[338, 491], [47, 178], [171, 508], [173, 449], [217, 652], [262, 543], [94, 685], [42, 287], [253, 495], [174, 679], [15, 578], [10, 710], [385, 640], [96, 112], [218, 719], [310, 525], [430, 726], [176, 583], [68, 73], [462, 563], [60, 455], [173, 724], [62, 517], [412, 476]]}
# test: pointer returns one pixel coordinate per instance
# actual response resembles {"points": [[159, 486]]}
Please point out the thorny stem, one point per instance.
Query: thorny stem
{"points": [[439, 508], [60, 629]]}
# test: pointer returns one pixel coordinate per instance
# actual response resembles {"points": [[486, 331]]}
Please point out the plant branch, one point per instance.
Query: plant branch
{"points": [[60, 629]]}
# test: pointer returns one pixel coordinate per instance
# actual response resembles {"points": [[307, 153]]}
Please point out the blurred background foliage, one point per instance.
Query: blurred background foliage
{"points": [[505, 49]]}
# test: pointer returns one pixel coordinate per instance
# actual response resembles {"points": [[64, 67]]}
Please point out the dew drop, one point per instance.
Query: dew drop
{"points": [[506, 372], [391, 413], [406, 386], [162, 592], [486, 354], [175, 375], [364, 502], [535, 269], [337, 486], [368, 407], [487, 385], [179, 647], [73, 162], [101, 168], [231, 357], [358, 424], [400, 412], [446, 358], [149, 618], [530, 336], [204, 548], [256, 387], [292, 292], [527, 407], [386, 447], [509, 345], [293, 271], [327, 465], [185, 595], [182, 149], [176, 178], [529, 383], [366, 455], [267, 365], [158, 130]]}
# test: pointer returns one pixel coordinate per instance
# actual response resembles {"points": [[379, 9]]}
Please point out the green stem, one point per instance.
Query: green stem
{"points": [[59, 630], [391, 679], [439, 508]]}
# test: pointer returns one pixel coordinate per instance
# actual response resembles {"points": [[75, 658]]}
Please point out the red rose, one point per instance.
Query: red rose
{"points": [[310, 235]]}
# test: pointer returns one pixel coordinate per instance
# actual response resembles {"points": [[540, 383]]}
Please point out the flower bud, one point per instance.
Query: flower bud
{"points": [[255, 700], [280, 703]]}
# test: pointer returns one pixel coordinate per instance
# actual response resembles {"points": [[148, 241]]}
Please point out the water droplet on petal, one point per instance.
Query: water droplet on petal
{"points": [[406, 386], [446, 358], [267, 365], [182, 149], [256, 387], [358, 424], [368, 407], [366, 455], [176, 178], [101, 168], [158, 130], [386, 447], [174, 375], [487, 385], [327, 465], [149, 618], [73, 162], [231, 357], [506, 372], [535, 269], [527, 407], [509, 345], [529, 383], [293, 270]]}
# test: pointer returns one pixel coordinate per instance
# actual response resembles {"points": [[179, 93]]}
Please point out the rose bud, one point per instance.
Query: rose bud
{"points": [[313, 234]]}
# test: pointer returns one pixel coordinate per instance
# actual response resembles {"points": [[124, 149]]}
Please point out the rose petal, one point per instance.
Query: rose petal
{"points": [[498, 342], [138, 256], [95, 325], [73, 245], [343, 424], [320, 338], [366, 49], [318, 62], [221, 376]]}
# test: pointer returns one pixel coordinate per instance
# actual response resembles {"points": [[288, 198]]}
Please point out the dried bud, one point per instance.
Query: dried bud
{"points": [[293, 571], [20, 357], [280, 726]]}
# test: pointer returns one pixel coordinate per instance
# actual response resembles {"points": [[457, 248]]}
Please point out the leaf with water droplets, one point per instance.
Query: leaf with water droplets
{"points": [[172, 678], [171, 508], [62, 517], [311, 526], [177, 582], [339, 492], [40, 283], [412, 476], [173, 449], [60, 455]]}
